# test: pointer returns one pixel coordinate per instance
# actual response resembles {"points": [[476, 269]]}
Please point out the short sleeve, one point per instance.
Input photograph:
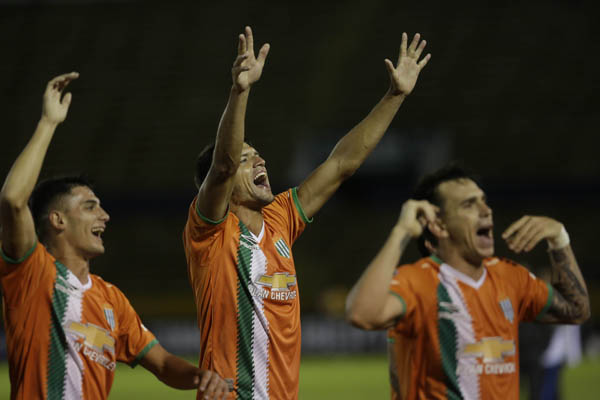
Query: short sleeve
{"points": [[22, 277], [203, 239], [401, 288], [134, 340], [199, 228], [535, 295], [286, 215]]}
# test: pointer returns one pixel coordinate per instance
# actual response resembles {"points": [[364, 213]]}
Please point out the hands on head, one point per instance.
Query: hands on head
{"points": [[403, 76], [247, 68], [416, 215], [54, 108]]}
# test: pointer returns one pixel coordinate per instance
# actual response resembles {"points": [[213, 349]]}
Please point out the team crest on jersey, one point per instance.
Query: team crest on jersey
{"points": [[282, 248], [110, 317], [507, 309]]}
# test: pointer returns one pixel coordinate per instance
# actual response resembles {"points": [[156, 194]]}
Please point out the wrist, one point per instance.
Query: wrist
{"points": [[560, 241], [47, 122], [238, 91], [395, 93]]}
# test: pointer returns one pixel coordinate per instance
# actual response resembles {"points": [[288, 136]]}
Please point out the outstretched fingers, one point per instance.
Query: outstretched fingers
{"points": [[249, 39], [413, 44], [403, 45], [262, 54]]}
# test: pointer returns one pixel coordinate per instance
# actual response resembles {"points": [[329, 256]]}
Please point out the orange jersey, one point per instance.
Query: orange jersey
{"points": [[247, 298], [64, 337], [458, 338]]}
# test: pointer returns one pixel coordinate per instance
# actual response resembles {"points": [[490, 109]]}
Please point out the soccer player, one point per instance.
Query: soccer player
{"points": [[453, 316], [67, 328], [238, 236]]}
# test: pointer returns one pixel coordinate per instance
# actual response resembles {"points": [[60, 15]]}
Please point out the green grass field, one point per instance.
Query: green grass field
{"points": [[341, 377]]}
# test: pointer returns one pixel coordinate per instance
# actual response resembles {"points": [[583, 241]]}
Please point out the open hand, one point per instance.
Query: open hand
{"points": [[404, 76], [54, 109], [528, 231], [247, 68]]}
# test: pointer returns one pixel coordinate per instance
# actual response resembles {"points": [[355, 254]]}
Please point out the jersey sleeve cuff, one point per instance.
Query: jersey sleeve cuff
{"points": [[299, 207], [143, 353], [548, 302], [20, 260], [401, 301], [208, 220]]}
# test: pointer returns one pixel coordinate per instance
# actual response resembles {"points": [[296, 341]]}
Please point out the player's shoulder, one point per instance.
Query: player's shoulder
{"points": [[107, 288], [503, 265], [421, 268]]}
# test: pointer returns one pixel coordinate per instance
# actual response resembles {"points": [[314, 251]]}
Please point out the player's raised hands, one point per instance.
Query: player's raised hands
{"points": [[247, 68], [403, 76], [213, 386], [528, 231], [416, 215], [55, 105]]}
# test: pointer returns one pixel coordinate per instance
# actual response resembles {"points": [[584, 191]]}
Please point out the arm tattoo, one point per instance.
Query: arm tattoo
{"points": [[571, 301]]}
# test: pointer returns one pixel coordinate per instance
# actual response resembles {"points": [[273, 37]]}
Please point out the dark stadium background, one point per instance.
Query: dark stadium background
{"points": [[511, 90]]}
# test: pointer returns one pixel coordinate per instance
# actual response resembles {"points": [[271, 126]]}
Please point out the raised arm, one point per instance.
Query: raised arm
{"points": [[370, 305], [571, 304], [180, 374], [352, 150], [215, 191], [18, 230]]}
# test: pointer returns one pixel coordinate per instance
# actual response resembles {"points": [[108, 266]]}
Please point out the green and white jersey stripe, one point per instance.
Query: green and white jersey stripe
{"points": [[65, 367], [253, 327], [282, 248], [455, 332]]}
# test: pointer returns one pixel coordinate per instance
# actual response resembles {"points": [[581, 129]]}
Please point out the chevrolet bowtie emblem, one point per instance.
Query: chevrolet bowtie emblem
{"points": [[280, 281]]}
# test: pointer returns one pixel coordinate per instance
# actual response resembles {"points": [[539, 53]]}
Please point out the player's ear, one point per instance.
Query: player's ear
{"points": [[57, 220]]}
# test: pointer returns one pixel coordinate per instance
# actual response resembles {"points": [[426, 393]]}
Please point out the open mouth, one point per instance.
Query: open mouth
{"points": [[98, 232], [485, 232], [261, 180]]}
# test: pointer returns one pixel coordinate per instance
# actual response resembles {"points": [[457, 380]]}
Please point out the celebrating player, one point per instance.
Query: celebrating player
{"points": [[238, 236], [66, 328], [453, 316]]}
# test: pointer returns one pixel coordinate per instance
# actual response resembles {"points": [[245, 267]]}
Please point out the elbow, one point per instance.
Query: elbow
{"points": [[360, 319], [347, 168], [586, 314], [12, 201], [224, 169]]}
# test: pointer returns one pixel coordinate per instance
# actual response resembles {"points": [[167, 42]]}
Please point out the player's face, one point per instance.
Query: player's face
{"points": [[252, 188], [468, 219], [85, 222]]}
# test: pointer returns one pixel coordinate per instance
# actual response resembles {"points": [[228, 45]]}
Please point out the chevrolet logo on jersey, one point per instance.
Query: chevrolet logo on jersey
{"points": [[280, 281], [93, 336], [492, 349]]}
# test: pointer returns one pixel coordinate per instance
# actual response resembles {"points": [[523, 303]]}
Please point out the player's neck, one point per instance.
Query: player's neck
{"points": [[77, 264], [253, 219], [473, 269]]}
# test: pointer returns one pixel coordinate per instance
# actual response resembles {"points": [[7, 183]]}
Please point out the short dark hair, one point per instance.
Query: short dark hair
{"points": [[46, 193], [203, 162], [427, 189]]}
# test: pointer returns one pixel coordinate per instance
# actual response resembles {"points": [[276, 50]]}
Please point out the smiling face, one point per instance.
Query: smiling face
{"points": [[251, 188], [468, 219], [82, 221]]}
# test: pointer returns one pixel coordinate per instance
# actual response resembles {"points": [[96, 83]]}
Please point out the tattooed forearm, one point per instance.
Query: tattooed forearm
{"points": [[571, 301]]}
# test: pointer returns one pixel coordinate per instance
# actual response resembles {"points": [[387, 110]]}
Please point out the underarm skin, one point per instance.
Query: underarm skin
{"points": [[571, 301]]}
